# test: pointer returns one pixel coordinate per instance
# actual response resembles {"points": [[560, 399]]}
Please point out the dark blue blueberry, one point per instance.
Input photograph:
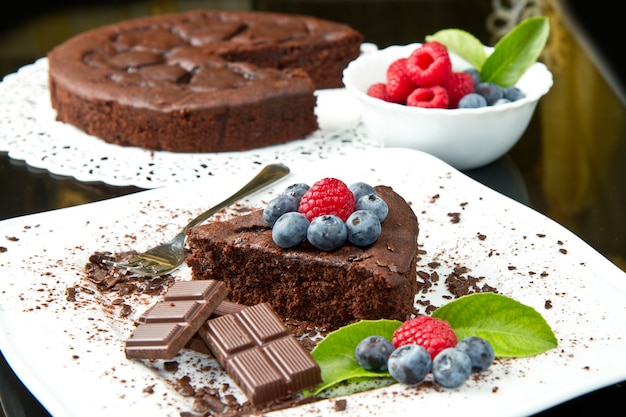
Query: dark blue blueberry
{"points": [[451, 367], [359, 189], [327, 232], [296, 190], [513, 93], [409, 364], [372, 353], [290, 229], [363, 228], [473, 72], [472, 101], [375, 204], [491, 91], [479, 350], [277, 207]]}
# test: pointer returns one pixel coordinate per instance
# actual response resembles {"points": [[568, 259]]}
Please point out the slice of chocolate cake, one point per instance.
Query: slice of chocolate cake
{"points": [[325, 289]]}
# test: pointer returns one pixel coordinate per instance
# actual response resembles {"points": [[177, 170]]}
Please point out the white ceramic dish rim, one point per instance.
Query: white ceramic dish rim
{"points": [[74, 364], [535, 83]]}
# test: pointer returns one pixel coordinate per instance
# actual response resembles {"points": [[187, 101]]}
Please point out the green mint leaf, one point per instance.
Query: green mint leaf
{"points": [[462, 43], [516, 52], [512, 328], [335, 354]]}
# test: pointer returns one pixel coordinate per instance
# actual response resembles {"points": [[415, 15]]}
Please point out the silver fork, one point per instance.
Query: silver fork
{"points": [[168, 256]]}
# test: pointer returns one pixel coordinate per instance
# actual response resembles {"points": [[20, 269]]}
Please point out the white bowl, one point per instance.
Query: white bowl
{"points": [[464, 138]]}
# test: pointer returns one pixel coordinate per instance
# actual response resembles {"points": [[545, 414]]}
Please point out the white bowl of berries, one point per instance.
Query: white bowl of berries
{"points": [[424, 96]]}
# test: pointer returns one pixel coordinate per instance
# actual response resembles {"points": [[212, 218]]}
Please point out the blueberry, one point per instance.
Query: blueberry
{"points": [[491, 91], [363, 228], [479, 350], [375, 204], [296, 190], [451, 367], [327, 232], [277, 207], [513, 93], [473, 72], [472, 101], [409, 364], [372, 353], [359, 189], [290, 229]]}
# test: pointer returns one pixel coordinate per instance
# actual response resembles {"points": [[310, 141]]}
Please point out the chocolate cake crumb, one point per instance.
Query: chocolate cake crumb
{"points": [[454, 217], [70, 294], [548, 304], [341, 404], [170, 366], [183, 386], [3, 249]]}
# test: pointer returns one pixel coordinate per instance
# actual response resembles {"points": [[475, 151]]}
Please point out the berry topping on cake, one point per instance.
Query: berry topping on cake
{"points": [[330, 214], [327, 196], [363, 228], [435, 97], [374, 203], [278, 206], [360, 189], [429, 65], [431, 333], [297, 190], [327, 232], [290, 229]]}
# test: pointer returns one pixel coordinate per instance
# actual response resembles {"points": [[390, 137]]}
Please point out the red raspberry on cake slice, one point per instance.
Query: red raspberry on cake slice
{"points": [[327, 196], [429, 65], [399, 84], [435, 97], [458, 85]]}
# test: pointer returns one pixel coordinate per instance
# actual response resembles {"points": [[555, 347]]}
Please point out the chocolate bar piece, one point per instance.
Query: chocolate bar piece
{"points": [[259, 354], [168, 325]]}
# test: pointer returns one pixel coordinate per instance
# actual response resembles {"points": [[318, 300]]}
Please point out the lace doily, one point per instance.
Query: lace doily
{"points": [[29, 133]]}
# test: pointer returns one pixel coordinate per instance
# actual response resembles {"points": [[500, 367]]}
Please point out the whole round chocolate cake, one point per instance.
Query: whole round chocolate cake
{"points": [[200, 81]]}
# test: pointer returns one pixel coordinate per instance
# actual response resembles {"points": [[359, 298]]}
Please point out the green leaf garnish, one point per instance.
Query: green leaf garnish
{"points": [[335, 354], [462, 43], [512, 328], [516, 52]]}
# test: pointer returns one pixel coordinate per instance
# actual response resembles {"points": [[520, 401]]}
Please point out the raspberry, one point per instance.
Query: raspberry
{"points": [[327, 196], [431, 333], [429, 65], [435, 97], [379, 91], [399, 85], [458, 85]]}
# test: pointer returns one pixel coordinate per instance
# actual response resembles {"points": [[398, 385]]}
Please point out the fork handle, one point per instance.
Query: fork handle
{"points": [[269, 174]]}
